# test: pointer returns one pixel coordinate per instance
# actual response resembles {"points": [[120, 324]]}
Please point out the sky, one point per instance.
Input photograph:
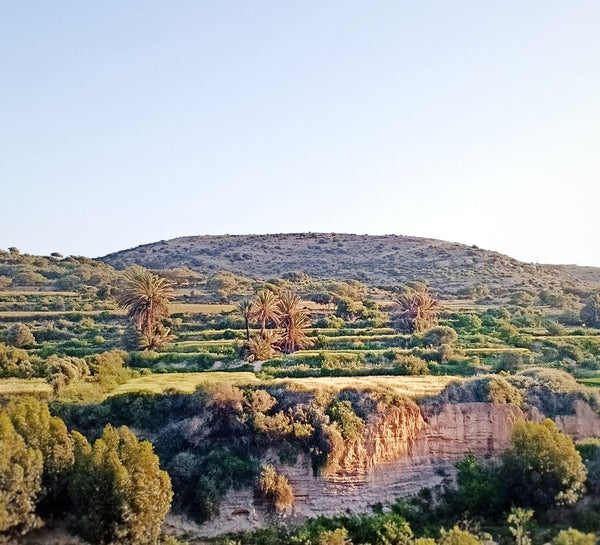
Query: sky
{"points": [[124, 123]]}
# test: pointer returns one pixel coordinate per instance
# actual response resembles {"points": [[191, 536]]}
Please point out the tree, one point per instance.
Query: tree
{"points": [[266, 309], [480, 490], [118, 491], [146, 297], [542, 467], [48, 435], [245, 308], [294, 319], [590, 313], [415, 310], [20, 481]]}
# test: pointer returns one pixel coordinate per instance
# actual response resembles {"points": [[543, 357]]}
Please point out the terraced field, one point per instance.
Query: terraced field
{"points": [[414, 387], [22, 386]]}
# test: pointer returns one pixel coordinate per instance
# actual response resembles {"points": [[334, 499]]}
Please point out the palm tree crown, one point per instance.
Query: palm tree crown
{"points": [[294, 319], [265, 308], [146, 298], [416, 310]]}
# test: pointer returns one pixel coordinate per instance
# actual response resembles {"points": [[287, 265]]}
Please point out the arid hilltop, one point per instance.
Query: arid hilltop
{"points": [[375, 260]]}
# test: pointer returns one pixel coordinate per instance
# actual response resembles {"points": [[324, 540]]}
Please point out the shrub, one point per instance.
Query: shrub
{"points": [[437, 336], [65, 370], [275, 487], [29, 278], [456, 536], [590, 313], [351, 425], [20, 336], [479, 490], [573, 537], [222, 283], [410, 365], [334, 537], [509, 362], [556, 329], [467, 323], [501, 391], [14, 362]]}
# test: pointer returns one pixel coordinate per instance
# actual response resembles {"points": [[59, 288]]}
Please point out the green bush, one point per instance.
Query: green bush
{"points": [[351, 425], [438, 336], [408, 364]]}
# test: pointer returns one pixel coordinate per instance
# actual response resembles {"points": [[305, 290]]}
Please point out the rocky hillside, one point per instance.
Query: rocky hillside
{"points": [[375, 260]]}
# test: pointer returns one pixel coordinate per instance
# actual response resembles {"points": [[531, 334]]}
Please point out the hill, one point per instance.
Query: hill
{"points": [[590, 275], [449, 267]]}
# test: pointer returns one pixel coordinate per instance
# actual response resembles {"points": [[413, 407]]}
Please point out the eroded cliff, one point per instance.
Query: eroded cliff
{"points": [[401, 450]]}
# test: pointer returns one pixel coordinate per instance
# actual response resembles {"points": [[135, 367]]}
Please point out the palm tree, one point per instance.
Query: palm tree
{"points": [[146, 298], [294, 319], [415, 310], [246, 307], [262, 348], [265, 309]]}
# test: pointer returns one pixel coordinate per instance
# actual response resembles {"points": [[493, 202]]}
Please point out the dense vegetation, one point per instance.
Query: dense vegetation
{"points": [[288, 366]]}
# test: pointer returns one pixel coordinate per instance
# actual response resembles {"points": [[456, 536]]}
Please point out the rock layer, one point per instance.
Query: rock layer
{"points": [[401, 451]]}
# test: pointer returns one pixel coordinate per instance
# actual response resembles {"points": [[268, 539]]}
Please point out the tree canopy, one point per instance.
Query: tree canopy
{"points": [[542, 467], [119, 492]]}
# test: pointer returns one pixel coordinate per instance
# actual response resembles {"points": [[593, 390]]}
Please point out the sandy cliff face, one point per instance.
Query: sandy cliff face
{"points": [[401, 451], [389, 435]]}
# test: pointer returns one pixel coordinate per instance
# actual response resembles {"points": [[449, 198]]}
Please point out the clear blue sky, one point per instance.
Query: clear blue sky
{"points": [[124, 123]]}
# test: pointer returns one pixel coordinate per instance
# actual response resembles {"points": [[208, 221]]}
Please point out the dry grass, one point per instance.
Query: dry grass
{"points": [[176, 308], [497, 350], [414, 387], [56, 313], [184, 382], [11, 386], [200, 308], [188, 382], [10, 292]]}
